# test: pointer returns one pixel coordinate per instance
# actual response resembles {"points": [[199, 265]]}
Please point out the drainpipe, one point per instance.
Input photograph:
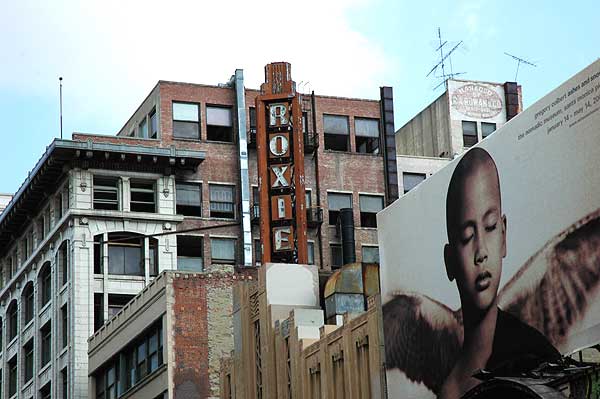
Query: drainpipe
{"points": [[240, 100]]}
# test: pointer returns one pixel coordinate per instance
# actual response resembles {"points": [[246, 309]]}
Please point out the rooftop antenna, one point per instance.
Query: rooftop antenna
{"points": [[441, 64], [519, 61], [60, 89]]}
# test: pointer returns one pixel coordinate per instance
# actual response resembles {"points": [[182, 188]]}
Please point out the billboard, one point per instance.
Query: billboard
{"points": [[494, 262]]}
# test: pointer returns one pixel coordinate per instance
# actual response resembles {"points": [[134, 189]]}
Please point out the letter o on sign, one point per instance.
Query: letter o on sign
{"points": [[278, 145]]}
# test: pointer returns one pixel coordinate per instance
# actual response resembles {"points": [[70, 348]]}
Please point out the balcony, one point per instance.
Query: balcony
{"points": [[314, 216], [255, 214], [251, 137]]}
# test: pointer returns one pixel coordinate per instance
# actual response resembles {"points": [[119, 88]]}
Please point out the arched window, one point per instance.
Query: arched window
{"points": [[28, 302], [45, 284], [13, 320]]}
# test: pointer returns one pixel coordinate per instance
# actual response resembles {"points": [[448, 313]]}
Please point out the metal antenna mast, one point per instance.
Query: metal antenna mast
{"points": [[441, 64], [60, 90], [519, 61]]}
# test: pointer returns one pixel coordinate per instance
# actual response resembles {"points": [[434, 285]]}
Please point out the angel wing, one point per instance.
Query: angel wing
{"points": [[553, 289], [422, 338]]}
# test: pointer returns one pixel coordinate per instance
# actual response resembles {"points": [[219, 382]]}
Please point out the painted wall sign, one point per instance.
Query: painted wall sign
{"points": [[476, 101]]}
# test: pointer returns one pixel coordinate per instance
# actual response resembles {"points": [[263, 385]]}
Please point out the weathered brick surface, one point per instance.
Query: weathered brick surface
{"points": [[202, 330]]}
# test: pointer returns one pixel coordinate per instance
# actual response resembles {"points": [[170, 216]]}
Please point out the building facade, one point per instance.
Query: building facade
{"points": [[161, 344], [82, 236], [466, 113], [345, 166], [99, 217]]}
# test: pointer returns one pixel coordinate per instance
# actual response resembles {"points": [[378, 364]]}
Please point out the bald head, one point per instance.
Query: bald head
{"points": [[474, 162]]}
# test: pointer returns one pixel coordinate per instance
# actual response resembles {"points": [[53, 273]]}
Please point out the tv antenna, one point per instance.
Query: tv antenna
{"points": [[441, 64], [61, 110], [519, 61]]}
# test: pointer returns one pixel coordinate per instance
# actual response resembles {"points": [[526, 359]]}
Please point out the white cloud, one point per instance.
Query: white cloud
{"points": [[112, 52]]}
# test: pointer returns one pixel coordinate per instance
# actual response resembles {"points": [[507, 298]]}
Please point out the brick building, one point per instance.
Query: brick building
{"points": [[346, 165], [185, 342], [99, 217]]}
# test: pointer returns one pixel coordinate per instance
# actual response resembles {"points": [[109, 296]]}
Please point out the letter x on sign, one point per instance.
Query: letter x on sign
{"points": [[280, 180]]}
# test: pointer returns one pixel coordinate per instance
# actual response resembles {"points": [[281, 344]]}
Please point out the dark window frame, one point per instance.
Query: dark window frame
{"points": [[45, 283], [217, 260], [334, 213], [188, 209], [334, 141], [367, 144], [106, 186], [470, 137], [369, 218], [28, 369], [488, 128], [141, 189], [13, 320], [222, 213], [219, 131], [28, 298], [414, 175], [45, 344], [182, 122]]}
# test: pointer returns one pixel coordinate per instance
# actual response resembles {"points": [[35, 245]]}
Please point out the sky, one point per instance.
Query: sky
{"points": [[111, 54]]}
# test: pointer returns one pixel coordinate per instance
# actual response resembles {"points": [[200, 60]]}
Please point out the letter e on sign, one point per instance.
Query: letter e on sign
{"points": [[283, 239]]}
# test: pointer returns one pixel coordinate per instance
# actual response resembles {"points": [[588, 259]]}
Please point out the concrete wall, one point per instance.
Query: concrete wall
{"points": [[428, 133]]}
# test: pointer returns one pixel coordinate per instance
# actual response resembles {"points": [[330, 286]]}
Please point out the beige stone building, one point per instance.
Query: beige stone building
{"points": [[284, 349]]}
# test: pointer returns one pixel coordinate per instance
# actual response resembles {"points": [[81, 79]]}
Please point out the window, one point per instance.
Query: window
{"points": [[411, 180], [45, 282], [116, 302], [189, 199], [222, 250], [143, 128], [370, 254], [13, 319], [98, 254], [336, 256], [98, 311], [186, 121], [46, 391], [28, 303], [307, 199], [469, 133], [335, 202], [487, 129], [64, 316], [252, 117], [65, 383], [219, 124], [153, 253], [257, 252], [336, 132], [221, 201], [131, 365], [142, 196], [28, 360], [190, 253], [58, 207], [125, 254], [13, 376], [63, 264], [153, 124], [41, 229], [311, 253], [367, 135], [369, 206], [46, 350], [106, 193]]}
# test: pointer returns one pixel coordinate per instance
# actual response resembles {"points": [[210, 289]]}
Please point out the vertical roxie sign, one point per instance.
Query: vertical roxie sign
{"points": [[280, 152]]}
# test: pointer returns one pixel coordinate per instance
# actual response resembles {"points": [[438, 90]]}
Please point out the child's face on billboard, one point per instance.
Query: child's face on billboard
{"points": [[479, 242]]}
